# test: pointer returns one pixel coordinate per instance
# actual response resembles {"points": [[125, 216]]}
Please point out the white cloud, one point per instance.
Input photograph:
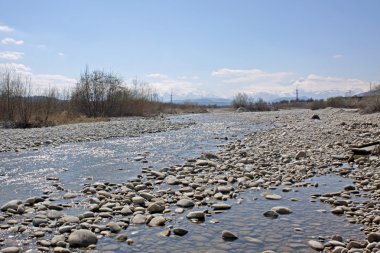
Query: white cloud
{"points": [[315, 83], [8, 55], [10, 41], [6, 29], [61, 54], [41, 82], [255, 82], [157, 75], [180, 88], [248, 75], [337, 56]]}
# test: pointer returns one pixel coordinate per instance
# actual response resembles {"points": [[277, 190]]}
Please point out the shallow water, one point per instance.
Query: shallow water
{"points": [[256, 232], [23, 174], [115, 160]]}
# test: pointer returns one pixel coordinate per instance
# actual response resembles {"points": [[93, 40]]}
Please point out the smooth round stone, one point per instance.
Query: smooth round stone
{"points": [[315, 245], [281, 210], [157, 221], [138, 200], [271, 214], [13, 204], [200, 215], [139, 219], [338, 210], [228, 235], [70, 195], [179, 210], [61, 250], [185, 203], [10, 250], [69, 219], [221, 206], [82, 238], [156, 207], [374, 237], [272, 196], [180, 231], [122, 237], [114, 227]]}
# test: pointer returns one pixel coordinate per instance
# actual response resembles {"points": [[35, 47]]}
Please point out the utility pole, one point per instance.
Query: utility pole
{"points": [[171, 101], [297, 94]]}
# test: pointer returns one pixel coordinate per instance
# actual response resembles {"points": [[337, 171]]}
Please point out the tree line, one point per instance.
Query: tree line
{"points": [[97, 94]]}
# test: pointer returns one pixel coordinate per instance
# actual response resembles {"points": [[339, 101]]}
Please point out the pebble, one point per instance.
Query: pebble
{"points": [[228, 235]]}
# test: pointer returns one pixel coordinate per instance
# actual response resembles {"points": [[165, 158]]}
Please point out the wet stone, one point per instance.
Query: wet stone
{"points": [[180, 231], [228, 236], [82, 238], [185, 203]]}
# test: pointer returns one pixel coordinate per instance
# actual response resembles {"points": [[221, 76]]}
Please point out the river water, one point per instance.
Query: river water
{"points": [[116, 160]]}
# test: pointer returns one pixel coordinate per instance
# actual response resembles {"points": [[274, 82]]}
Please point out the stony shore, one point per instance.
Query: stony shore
{"points": [[33, 138], [297, 148]]}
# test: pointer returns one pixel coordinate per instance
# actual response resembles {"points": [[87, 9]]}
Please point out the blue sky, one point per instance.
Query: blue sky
{"points": [[198, 48]]}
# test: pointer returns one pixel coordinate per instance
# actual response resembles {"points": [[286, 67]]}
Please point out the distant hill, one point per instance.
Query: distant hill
{"points": [[205, 101], [368, 93]]}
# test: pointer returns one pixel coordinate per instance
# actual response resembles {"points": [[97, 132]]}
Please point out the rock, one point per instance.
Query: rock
{"points": [[200, 215], [376, 220], [356, 244], [53, 214], [82, 238], [37, 222], [126, 210], [337, 210], [157, 207], [225, 189], [315, 116], [271, 214], [157, 221], [315, 245], [179, 210], [70, 195], [228, 235], [349, 188], [374, 237], [180, 231], [139, 219], [185, 203], [114, 227], [272, 196], [10, 249], [138, 200], [282, 210], [56, 239], [61, 250], [165, 233], [13, 204], [300, 154], [70, 219], [122, 237], [172, 180], [221, 206], [157, 174]]}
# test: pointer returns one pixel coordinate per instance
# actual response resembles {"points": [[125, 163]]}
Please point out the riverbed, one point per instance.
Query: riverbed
{"points": [[54, 171]]}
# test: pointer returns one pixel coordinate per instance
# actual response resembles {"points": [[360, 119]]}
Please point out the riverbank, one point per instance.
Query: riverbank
{"points": [[33, 138], [280, 158]]}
